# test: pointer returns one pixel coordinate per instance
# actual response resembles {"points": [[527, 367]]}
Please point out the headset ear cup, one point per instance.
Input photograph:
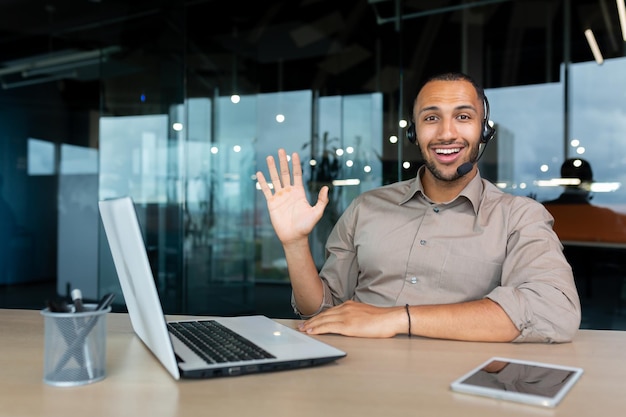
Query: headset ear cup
{"points": [[488, 130], [488, 133], [411, 135]]}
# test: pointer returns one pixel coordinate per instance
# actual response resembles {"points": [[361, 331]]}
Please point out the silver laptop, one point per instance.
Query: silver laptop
{"points": [[268, 345]]}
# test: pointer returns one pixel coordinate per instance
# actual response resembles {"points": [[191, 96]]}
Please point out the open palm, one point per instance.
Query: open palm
{"points": [[291, 214]]}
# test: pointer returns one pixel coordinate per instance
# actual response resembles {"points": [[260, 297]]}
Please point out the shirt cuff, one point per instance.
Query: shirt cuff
{"points": [[307, 316]]}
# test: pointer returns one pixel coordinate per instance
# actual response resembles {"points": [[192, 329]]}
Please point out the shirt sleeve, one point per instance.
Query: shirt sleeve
{"points": [[538, 291], [340, 271]]}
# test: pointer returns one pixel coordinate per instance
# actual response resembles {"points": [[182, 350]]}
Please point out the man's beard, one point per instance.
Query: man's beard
{"points": [[432, 166]]}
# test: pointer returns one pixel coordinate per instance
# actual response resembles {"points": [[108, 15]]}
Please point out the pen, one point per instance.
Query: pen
{"points": [[77, 299], [105, 301]]}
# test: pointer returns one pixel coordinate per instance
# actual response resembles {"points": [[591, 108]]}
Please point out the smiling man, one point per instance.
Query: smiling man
{"points": [[444, 255]]}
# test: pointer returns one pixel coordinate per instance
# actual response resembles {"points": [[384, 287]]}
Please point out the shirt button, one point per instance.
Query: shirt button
{"points": [[436, 209], [422, 242], [413, 280]]}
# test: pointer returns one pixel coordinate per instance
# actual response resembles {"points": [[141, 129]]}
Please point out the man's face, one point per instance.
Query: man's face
{"points": [[448, 121]]}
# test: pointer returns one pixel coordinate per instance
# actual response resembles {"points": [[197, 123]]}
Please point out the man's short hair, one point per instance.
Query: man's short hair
{"points": [[457, 76]]}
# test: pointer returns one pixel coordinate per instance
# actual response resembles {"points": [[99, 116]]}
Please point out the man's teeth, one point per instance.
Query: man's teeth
{"points": [[448, 151]]}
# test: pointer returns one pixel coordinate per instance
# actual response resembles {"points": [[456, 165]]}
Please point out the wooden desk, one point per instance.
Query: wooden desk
{"points": [[382, 378]]}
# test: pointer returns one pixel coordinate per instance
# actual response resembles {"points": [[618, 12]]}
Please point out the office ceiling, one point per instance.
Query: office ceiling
{"points": [[347, 46]]}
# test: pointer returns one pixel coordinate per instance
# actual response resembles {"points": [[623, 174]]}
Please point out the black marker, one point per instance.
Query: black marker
{"points": [[57, 306]]}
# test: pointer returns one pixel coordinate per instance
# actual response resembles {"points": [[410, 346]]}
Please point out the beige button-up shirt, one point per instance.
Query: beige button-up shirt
{"points": [[393, 246]]}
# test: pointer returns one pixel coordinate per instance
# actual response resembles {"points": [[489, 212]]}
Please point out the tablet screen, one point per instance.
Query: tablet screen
{"points": [[518, 380]]}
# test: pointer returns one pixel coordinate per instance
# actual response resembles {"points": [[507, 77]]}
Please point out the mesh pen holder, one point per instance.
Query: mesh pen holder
{"points": [[75, 346]]}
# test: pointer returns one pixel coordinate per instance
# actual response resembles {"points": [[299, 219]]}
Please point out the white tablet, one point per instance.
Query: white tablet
{"points": [[535, 383]]}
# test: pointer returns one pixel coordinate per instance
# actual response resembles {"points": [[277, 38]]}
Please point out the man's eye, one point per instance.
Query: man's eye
{"points": [[430, 118], [464, 117]]}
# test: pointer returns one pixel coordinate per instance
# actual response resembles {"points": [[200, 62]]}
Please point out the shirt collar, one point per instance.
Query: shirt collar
{"points": [[471, 192]]}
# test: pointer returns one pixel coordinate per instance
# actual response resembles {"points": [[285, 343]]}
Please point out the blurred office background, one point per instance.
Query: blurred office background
{"points": [[177, 104]]}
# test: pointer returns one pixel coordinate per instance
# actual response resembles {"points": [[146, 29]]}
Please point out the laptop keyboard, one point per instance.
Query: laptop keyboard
{"points": [[216, 343]]}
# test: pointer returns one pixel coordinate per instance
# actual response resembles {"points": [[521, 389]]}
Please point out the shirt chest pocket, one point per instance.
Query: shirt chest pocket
{"points": [[457, 269]]}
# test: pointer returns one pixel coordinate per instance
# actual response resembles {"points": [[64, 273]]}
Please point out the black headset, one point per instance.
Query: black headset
{"points": [[487, 134]]}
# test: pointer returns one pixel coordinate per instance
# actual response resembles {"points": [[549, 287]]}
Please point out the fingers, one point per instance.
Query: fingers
{"points": [[263, 184], [297, 169], [356, 319], [328, 321], [280, 179], [271, 166], [285, 174], [283, 180]]}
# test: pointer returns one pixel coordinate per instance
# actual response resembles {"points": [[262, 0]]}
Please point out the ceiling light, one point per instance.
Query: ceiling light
{"points": [[350, 181], [595, 49], [61, 68], [6, 85], [55, 60]]}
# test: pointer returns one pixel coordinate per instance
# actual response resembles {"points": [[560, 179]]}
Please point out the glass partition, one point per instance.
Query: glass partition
{"points": [[597, 126], [529, 124]]}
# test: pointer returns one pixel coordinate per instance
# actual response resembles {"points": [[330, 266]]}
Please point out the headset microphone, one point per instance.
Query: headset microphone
{"points": [[464, 168]]}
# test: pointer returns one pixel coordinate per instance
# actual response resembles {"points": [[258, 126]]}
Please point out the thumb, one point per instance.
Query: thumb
{"points": [[322, 198]]}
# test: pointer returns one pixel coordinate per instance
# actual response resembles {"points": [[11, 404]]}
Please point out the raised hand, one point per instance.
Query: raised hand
{"points": [[292, 216]]}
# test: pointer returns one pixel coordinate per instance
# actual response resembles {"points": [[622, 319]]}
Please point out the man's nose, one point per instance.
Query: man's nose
{"points": [[448, 129]]}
